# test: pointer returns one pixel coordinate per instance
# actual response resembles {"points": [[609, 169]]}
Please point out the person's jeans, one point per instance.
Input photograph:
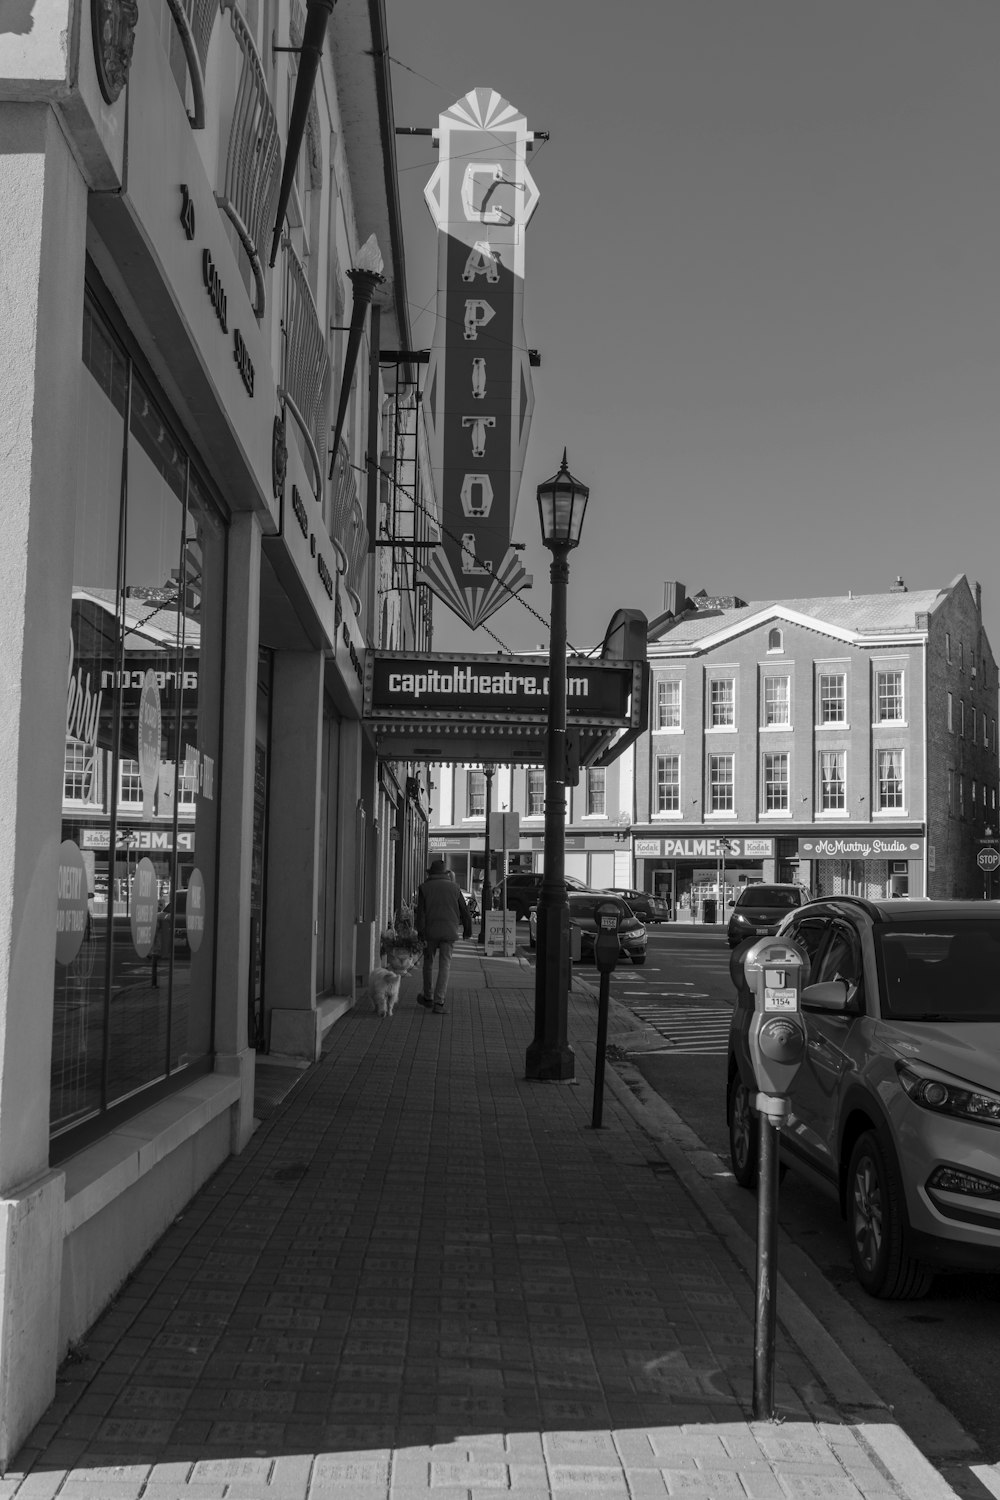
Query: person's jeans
{"points": [[444, 948]]}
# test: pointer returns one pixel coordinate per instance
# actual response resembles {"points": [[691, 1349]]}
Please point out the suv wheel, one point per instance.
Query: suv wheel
{"points": [[743, 1128], [876, 1216]]}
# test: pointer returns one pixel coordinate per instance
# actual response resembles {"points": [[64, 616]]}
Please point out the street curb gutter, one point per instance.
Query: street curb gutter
{"points": [[868, 1415]]}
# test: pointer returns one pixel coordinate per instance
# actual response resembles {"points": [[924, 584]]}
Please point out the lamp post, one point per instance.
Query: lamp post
{"points": [[562, 502], [488, 770]]}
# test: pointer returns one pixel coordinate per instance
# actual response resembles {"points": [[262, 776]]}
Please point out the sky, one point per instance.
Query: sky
{"points": [[763, 278]]}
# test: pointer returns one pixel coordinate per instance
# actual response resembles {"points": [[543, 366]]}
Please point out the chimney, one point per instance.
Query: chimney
{"points": [[899, 587], [979, 600], [674, 598]]}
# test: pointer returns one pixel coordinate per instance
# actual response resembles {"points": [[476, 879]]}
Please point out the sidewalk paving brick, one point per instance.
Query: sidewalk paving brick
{"points": [[426, 1276]]}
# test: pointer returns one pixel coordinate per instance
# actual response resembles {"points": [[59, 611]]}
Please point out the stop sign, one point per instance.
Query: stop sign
{"points": [[988, 859]]}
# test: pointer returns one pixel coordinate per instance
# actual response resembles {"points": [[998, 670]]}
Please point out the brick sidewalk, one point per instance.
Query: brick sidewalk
{"points": [[427, 1276]]}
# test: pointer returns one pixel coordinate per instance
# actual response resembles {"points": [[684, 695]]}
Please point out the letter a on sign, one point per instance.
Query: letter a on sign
{"points": [[481, 198]]}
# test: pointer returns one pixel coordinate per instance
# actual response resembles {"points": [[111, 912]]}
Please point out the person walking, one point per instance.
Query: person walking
{"points": [[442, 913]]}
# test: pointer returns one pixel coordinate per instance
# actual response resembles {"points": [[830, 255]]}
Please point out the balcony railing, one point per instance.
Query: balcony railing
{"points": [[306, 387], [349, 531], [194, 20], [253, 162]]}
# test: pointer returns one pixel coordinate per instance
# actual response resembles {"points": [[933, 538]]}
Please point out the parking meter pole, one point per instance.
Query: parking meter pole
{"points": [[602, 1047], [765, 1311], [776, 1041], [607, 915]]}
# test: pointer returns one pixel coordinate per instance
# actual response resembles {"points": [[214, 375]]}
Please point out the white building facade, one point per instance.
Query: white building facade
{"points": [[198, 839]]}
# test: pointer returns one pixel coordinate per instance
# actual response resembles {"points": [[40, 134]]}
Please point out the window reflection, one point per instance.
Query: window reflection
{"points": [[134, 1001]]}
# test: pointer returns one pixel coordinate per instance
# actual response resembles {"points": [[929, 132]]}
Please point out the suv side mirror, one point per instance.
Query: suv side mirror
{"points": [[830, 995]]}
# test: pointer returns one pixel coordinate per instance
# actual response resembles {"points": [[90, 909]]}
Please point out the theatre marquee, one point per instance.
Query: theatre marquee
{"points": [[441, 707]]}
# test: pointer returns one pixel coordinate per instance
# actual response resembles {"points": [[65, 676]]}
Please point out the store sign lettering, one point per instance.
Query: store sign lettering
{"points": [[83, 707], [418, 685], [217, 294], [352, 653], [200, 769], [244, 363], [478, 396], [71, 903], [704, 848], [149, 840], [299, 511], [403, 683], [186, 680], [214, 287], [859, 848]]}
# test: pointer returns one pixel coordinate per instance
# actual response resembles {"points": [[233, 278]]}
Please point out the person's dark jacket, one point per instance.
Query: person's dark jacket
{"points": [[442, 912]]}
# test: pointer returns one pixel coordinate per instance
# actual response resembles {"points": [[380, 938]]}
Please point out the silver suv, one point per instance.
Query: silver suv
{"points": [[897, 1104]]}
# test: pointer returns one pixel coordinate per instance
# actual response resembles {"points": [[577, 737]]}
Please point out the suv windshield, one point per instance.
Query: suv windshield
{"points": [[778, 896], [936, 970]]}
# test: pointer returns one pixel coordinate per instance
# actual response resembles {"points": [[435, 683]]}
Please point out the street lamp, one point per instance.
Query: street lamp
{"points": [[562, 502], [487, 898]]}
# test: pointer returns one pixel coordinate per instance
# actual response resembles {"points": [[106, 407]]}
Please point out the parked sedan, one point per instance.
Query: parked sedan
{"points": [[897, 1103], [758, 909], [582, 908], [645, 905]]}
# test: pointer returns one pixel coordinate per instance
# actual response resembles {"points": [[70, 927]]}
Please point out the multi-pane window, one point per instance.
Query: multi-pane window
{"points": [[889, 697], [596, 791], [776, 783], [129, 782], [77, 771], [720, 783], [721, 703], [833, 698], [667, 788], [668, 703], [476, 795], [187, 786], [535, 789], [832, 780], [776, 701], [889, 779]]}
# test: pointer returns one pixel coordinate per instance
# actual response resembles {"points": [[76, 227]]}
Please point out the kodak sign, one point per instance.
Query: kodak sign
{"points": [[478, 398]]}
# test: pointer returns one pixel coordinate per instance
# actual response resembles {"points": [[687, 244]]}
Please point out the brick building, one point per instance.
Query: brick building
{"points": [[848, 743]]}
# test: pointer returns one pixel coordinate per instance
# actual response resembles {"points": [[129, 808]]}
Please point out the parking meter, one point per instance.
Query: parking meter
{"points": [[777, 1037], [606, 944]]}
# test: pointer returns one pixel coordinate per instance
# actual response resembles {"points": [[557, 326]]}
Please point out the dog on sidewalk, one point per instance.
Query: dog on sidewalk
{"points": [[383, 982]]}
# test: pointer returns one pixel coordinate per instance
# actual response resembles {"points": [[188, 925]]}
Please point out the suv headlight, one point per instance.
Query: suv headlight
{"points": [[944, 1095]]}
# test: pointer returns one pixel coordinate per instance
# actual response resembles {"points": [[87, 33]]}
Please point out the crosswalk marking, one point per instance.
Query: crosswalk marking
{"points": [[688, 1028]]}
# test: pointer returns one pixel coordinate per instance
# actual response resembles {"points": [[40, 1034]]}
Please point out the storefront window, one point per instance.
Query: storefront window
{"points": [[133, 990]]}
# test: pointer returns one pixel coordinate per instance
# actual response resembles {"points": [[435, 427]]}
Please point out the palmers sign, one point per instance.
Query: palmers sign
{"points": [[478, 397], [398, 685]]}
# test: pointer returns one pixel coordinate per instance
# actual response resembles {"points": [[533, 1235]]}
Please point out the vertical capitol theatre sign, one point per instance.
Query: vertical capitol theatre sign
{"points": [[478, 398]]}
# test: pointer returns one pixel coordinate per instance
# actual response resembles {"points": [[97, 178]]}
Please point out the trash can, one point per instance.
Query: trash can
{"points": [[708, 909]]}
